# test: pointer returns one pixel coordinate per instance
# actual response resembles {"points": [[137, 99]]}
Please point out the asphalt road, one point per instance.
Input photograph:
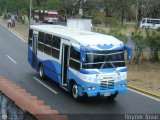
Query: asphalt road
{"points": [[15, 67]]}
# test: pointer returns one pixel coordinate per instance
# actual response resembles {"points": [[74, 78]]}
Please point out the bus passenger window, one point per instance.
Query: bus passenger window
{"points": [[75, 65], [30, 37], [55, 53], [41, 37], [75, 54], [47, 50], [56, 42], [74, 59], [143, 21], [48, 39], [157, 21], [40, 47], [148, 21]]}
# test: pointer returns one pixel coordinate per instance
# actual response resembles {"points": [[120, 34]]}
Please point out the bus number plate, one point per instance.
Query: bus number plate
{"points": [[107, 94]]}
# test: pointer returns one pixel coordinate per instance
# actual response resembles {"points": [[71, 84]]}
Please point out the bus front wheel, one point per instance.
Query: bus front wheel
{"points": [[41, 71], [74, 92]]}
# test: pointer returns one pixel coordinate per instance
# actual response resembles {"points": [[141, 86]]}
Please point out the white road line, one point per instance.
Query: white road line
{"points": [[11, 59], [14, 33], [55, 92], [144, 94]]}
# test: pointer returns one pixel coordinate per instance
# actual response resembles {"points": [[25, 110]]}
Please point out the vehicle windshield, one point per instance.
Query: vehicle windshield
{"points": [[107, 59]]}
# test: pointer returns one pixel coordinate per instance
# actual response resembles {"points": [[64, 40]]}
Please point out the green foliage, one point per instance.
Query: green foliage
{"points": [[139, 41], [98, 18], [113, 23], [53, 4], [153, 42], [116, 32]]}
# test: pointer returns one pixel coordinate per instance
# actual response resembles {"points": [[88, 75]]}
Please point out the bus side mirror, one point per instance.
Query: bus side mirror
{"points": [[83, 55], [129, 53]]}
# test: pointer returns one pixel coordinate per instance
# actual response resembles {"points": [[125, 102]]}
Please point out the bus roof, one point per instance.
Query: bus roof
{"points": [[84, 38]]}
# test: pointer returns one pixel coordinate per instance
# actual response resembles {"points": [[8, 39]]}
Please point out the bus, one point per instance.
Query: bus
{"points": [[150, 23], [83, 63]]}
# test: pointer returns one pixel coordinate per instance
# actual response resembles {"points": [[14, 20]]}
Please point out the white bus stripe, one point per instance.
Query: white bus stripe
{"points": [[52, 90]]}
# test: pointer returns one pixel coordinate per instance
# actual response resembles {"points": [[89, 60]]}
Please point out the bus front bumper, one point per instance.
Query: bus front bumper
{"points": [[119, 88]]}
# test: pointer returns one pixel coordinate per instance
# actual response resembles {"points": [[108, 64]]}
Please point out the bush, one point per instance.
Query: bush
{"points": [[153, 42], [140, 43]]}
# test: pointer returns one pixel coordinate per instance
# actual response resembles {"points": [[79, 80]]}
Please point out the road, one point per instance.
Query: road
{"points": [[14, 66]]}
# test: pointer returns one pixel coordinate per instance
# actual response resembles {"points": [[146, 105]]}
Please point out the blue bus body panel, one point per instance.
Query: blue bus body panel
{"points": [[30, 56], [52, 70]]}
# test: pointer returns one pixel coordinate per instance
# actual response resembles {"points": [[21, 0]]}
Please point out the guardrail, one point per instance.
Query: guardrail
{"points": [[27, 102]]}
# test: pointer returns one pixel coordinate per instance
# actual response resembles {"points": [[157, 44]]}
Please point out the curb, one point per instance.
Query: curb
{"points": [[144, 91], [29, 103]]}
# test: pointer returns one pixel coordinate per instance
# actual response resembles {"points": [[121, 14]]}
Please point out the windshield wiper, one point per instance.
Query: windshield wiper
{"points": [[111, 64], [114, 67]]}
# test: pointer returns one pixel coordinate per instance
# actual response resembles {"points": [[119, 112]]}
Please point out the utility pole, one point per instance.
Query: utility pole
{"points": [[81, 8], [137, 7], [30, 12]]}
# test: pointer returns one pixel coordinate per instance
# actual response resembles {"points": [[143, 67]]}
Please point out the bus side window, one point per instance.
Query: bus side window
{"points": [[56, 42], [157, 21], [48, 43], [74, 54], [41, 41], [56, 46], [74, 59], [143, 21], [41, 37], [148, 21], [30, 37], [153, 21]]}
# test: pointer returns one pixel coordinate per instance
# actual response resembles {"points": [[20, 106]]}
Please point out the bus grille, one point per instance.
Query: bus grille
{"points": [[104, 85]]}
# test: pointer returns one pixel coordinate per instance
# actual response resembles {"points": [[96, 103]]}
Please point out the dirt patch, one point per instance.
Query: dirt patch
{"points": [[145, 76]]}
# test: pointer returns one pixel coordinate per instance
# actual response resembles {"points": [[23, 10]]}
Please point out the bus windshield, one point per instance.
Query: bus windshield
{"points": [[96, 59]]}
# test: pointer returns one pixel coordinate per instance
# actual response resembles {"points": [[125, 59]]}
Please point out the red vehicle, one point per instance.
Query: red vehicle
{"points": [[51, 17], [46, 16]]}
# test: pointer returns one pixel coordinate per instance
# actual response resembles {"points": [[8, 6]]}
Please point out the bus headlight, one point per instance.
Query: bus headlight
{"points": [[91, 88], [122, 85]]}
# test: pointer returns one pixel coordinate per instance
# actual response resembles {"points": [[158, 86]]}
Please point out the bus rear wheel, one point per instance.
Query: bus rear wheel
{"points": [[41, 71], [74, 92]]}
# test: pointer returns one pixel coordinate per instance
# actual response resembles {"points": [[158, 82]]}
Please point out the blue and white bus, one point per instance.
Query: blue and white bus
{"points": [[83, 63]]}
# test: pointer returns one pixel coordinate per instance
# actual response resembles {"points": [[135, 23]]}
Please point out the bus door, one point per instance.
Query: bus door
{"points": [[65, 63], [34, 49]]}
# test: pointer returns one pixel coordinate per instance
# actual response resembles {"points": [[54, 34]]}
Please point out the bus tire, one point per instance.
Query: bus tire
{"points": [[143, 27], [74, 92], [112, 97], [41, 71]]}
